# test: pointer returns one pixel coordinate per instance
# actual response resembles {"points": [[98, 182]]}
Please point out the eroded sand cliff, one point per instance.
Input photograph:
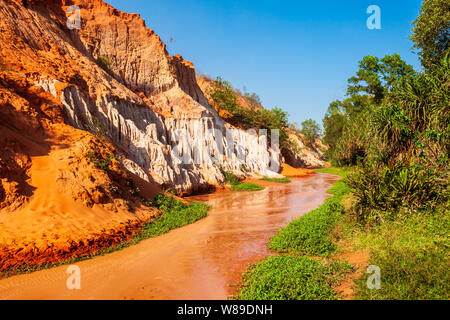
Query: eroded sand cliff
{"points": [[61, 113]]}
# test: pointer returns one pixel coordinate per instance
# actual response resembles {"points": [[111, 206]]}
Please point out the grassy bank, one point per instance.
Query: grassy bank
{"points": [[412, 252], [237, 185], [175, 215], [299, 274], [278, 180]]}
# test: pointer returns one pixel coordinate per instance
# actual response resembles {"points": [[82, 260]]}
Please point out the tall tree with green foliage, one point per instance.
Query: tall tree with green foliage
{"points": [[431, 32]]}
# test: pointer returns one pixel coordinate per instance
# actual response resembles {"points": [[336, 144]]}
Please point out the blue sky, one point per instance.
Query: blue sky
{"points": [[296, 55]]}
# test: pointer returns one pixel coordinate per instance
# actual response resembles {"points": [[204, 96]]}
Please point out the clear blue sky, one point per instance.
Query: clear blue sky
{"points": [[296, 55]]}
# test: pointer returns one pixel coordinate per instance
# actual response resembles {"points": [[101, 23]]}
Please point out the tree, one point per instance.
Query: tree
{"points": [[280, 117], [431, 32], [311, 130], [333, 124], [376, 77], [253, 100]]}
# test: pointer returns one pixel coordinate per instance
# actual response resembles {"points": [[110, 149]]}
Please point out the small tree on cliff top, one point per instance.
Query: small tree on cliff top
{"points": [[311, 130]]}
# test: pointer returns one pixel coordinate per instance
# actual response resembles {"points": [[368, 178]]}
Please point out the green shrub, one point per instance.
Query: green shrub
{"points": [[225, 98], [97, 127], [99, 161], [253, 100], [168, 203]]}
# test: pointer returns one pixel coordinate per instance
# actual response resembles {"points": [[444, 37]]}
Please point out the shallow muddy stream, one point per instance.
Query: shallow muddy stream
{"points": [[198, 261]]}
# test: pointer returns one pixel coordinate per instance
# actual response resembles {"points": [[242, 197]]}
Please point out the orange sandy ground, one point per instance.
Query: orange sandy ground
{"points": [[289, 171]]}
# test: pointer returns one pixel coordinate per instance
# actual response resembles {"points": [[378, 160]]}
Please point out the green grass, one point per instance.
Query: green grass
{"points": [[291, 278], [279, 180], [246, 187], [309, 234], [175, 215]]}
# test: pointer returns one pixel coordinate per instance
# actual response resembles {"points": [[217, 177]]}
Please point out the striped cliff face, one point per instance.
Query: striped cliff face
{"points": [[116, 72]]}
